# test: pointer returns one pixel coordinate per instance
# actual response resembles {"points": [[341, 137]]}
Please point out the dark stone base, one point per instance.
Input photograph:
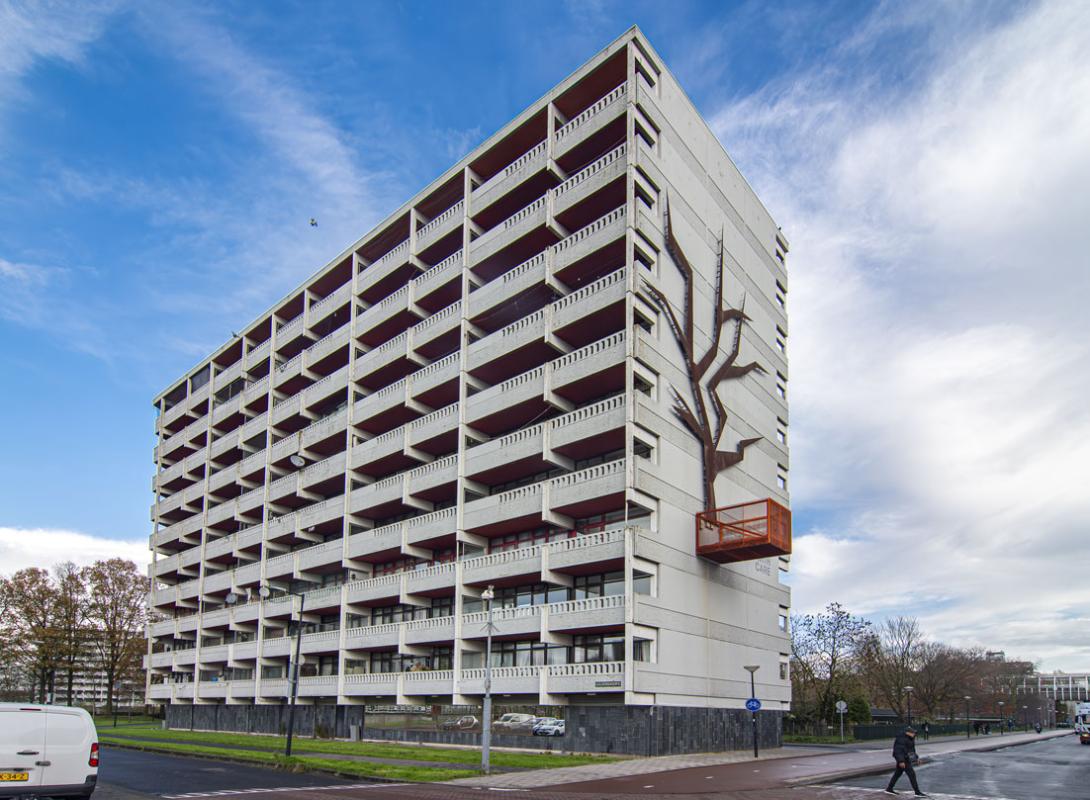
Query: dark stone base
{"points": [[631, 730]]}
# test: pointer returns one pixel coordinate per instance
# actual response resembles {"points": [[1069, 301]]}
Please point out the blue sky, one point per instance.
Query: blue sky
{"points": [[159, 164]]}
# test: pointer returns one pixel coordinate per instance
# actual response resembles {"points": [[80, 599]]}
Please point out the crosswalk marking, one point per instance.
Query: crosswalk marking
{"points": [[231, 792]]}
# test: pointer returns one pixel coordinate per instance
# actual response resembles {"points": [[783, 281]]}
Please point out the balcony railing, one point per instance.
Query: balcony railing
{"points": [[743, 532]]}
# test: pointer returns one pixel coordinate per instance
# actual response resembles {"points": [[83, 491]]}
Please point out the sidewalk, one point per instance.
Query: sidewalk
{"points": [[690, 774]]}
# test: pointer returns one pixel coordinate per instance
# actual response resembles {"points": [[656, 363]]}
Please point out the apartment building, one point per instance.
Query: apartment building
{"points": [[559, 370]]}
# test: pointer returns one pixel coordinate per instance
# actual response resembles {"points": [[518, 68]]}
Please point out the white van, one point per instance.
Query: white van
{"points": [[48, 751]]}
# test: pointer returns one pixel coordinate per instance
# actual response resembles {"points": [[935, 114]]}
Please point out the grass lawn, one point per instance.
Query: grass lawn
{"points": [[270, 747]]}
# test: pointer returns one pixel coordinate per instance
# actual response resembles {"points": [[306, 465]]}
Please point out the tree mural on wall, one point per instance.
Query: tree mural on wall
{"points": [[704, 381]]}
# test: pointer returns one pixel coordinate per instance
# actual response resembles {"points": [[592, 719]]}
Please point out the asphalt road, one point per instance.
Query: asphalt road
{"points": [[1055, 769], [124, 774]]}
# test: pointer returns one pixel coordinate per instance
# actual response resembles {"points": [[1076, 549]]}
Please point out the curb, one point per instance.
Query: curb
{"points": [[229, 759], [862, 772]]}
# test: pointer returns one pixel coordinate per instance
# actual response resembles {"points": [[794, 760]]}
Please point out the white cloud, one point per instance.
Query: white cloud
{"points": [[21, 548], [940, 350]]}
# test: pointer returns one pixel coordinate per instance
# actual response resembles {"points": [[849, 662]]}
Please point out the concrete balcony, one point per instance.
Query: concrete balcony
{"points": [[379, 544], [244, 651], [215, 655], [440, 226], [290, 331], [290, 369], [506, 511], [320, 310], [513, 175], [280, 567], [188, 624], [589, 180], [251, 502], [319, 555], [324, 511], [521, 622], [183, 691], [258, 388], [225, 376], [164, 627], [160, 660], [324, 428], [189, 561], [217, 582], [599, 677], [435, 384], [371, 500], [373, 591], [249, 612], [257, 355], [505, 680], [432, 631], [430, 581], [327, 345], [511, 230], [589, 239], [160, 691], [286, 408], [589, 491], [377, 684], [278, 647], [590, 615], [435, 481], [171, 415], [565, 375], [427, 683], [222, 512], [437, 335], [185, 658], [318, 686], [491, 460], [198, 396], [386, 360], [430, 432], [247, 539], [430, 528], [325, 388], [437, 277], [240, 689], [382, 269], [179, 532], [578, 552], [373, 637], [321, 642], [273, 688], [226, 409], [591, 120]]}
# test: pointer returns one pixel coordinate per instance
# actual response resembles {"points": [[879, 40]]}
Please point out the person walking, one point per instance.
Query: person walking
{"points": [[904, 753]]}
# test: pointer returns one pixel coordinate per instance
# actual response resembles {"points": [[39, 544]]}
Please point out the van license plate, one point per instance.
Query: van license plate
{"points": [[14, 776]]}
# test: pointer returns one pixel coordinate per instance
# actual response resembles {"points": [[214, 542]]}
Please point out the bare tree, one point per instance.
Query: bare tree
{"points": [[943, 676], [823, 649], [70, 620], [707, 425], [889, 659], [117, 611]]}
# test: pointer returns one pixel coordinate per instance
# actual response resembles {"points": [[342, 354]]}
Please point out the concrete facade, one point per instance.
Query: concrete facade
{"points": [[482, 391]]}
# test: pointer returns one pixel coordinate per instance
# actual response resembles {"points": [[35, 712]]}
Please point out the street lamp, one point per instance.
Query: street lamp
{"points": [[1002, 720], [1025, 719], [968, 729], [908, 691], [293, 667], [486, 726], [751, 669]]}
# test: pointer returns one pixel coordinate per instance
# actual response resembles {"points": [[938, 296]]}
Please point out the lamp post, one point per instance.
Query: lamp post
{"points": [[908, 691], [968, 728], [1002, 720], [752, 669], [486, 724], [1025, 719], [293, 667]]}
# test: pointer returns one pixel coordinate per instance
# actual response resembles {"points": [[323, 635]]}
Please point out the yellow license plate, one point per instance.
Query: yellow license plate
{"points": [[14, 776]]}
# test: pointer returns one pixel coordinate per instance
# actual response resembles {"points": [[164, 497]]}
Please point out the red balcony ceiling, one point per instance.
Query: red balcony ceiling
{"points": [[758, 529]]}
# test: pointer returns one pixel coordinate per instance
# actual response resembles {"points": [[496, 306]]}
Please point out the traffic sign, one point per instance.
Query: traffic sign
{"points": [[753, 704], [841, 706]]}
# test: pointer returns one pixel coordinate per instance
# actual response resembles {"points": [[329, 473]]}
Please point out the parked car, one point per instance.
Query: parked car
{"points": [[464, 723], [514, 723], [47, 751], [549, 726]]}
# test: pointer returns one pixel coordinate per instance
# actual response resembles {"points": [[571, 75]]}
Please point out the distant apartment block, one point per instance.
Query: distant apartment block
{"points": [[545, 372]]}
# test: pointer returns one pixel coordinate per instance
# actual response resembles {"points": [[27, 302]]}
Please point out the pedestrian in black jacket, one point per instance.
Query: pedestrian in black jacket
{"points": [[904, 753]]}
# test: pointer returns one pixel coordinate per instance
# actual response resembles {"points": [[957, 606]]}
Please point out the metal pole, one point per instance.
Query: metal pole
{"points": [[968, 729], [753, 693], [842, 727], [294, 670], [486, 723]]}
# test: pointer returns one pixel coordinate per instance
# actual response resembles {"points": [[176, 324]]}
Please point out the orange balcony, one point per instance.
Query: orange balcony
{"points": [[760, 529]]}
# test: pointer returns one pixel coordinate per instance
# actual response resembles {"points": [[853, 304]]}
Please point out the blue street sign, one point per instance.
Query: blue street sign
{"points": [[753, 704]]}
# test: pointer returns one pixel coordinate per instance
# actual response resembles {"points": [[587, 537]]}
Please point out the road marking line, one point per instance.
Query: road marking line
{"points": [[231, 792]]}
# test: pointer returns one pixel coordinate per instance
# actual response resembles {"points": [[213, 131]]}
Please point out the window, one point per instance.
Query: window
{"points": [[781, 345], [642, 583], [641, 650], [593, 649], [783, 621], [783, 670], [781, 436], [781, 482]]}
